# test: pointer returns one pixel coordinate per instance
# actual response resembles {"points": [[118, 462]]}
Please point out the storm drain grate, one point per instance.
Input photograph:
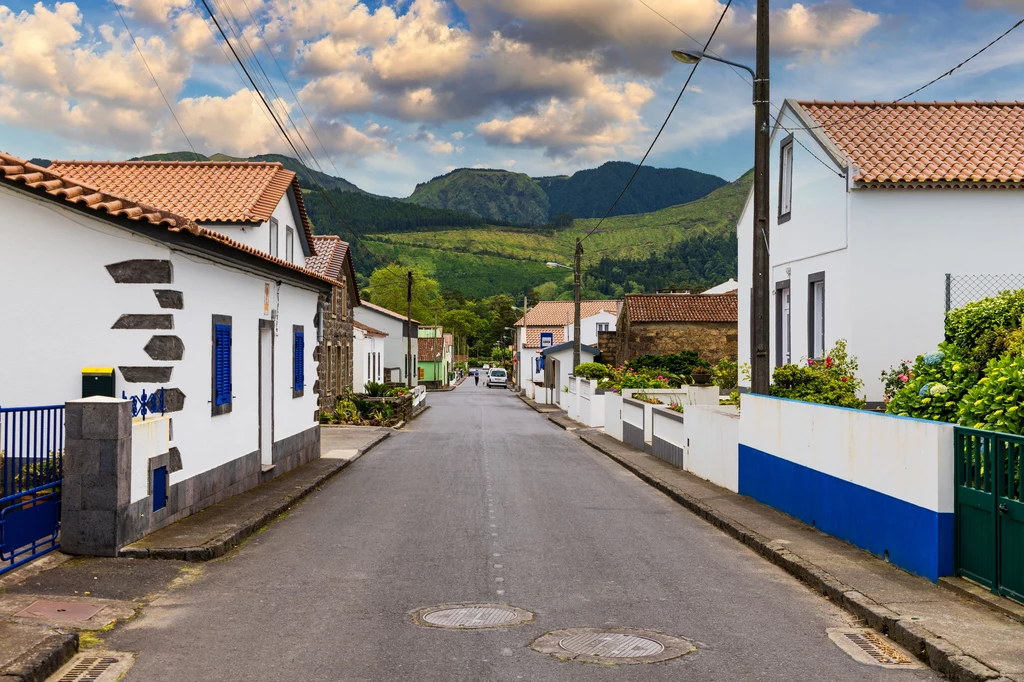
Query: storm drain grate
{"points": [[612, 645], [869, 647], [105, 667], [471, 616]]}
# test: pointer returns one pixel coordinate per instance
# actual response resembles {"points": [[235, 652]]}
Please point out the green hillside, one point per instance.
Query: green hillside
{"points": [[368, 214], [496, 194], [588, 193]]}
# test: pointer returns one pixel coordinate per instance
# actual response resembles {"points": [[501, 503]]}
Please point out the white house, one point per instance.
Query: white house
{"points": [[872, 204], [395, 344], [550, 323], [193, 304], [558, 362], [367, 356]]}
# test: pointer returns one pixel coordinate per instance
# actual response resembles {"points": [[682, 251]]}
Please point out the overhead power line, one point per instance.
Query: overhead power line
{"points": [[155, 81], [661, 129]]}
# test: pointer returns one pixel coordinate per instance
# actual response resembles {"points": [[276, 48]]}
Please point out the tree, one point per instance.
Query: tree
{"points": [[388, 288], [465, 324]]}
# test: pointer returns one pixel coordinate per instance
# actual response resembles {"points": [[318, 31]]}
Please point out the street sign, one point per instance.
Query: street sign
{"points": [[547, 339]]}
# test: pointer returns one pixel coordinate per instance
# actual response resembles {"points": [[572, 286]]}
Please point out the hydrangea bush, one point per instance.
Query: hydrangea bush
{"points": [[995, 401], [935, 386]]}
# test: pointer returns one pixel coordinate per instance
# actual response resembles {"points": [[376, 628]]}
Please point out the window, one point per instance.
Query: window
{"points": [[602, 326], [221, 381], [816, 315], [783, 324], [298, 361], [344, 301], [159, 488], [786, 179], [273, 236], [289, 244]]}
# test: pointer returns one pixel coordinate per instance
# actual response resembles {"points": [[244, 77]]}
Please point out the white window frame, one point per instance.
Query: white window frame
{"points": [[816, 315], [273, 236], [786, 179], [603, 326], [784, 323]]}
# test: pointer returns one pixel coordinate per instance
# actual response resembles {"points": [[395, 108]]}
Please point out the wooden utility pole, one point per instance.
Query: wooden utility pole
{"points": [[576, 301], [760, 334], [408, 333]]}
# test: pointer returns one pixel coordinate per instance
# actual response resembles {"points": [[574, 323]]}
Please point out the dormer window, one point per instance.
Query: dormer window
{"points": [[786, 179]]}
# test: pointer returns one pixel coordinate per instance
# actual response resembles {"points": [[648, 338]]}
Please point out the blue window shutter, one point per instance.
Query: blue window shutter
{"points": [[300, 375], [222, 364]]}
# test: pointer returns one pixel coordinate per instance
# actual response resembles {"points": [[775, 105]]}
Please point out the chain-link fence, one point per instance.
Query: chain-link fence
{"points": [[964, 289]]}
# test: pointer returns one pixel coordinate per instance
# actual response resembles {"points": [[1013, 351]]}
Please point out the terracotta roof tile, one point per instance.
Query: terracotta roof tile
{"points": [[682, 307], [533, 336], [932, 143], [16, 172], [368, 329], [203, 191], [427, 349], [330, 259], [552, 313]]}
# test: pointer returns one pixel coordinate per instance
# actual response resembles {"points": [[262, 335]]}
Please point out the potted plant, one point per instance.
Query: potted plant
{"points": [[701, 373]]}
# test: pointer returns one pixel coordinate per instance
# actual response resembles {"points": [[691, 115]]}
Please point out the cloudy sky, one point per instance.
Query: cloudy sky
{"points": [[397, 92]]}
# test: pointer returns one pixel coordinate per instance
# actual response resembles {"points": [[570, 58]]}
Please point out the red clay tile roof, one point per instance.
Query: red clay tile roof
{"points": [[553, 313], [19, 173], [204, 191], [331, 257], [533, 336], [368, 329], [427, 349], [682, 307], [384, 311], [926, 142]]}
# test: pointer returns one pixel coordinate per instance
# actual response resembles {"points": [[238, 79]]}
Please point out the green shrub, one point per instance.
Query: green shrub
{"points": [[980, 330], [829, 381], [936, 384], [592, 370], [375, 390], [726, 374], [638, 380], [994, 403], [681, 363]]}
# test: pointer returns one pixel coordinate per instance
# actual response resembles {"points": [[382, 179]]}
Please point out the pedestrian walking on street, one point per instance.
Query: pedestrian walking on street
{"points": [[476, 376]]}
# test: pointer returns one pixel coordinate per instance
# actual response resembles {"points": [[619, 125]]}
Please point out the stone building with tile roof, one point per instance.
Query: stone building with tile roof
{"points": [[167, 303], [658, 324], [873, 206]]}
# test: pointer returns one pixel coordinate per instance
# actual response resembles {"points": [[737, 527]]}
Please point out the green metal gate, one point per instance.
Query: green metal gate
{"points": [[989, 506]]}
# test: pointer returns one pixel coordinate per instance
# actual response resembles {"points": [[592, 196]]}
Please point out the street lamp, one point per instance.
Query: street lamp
{"points": [[760, 340], [576, 301]]}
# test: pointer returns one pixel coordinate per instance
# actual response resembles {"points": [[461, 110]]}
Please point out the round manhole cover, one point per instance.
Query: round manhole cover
{"points": [[612, 645], [471, 616]]}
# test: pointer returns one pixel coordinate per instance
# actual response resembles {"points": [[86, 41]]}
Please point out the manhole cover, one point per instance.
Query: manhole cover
{"points": [[867, 646], [104, 666], [612, 645], [471, 616], [59, 610]]}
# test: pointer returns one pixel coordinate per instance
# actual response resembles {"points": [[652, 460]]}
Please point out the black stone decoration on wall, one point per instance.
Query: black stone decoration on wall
{"points": [[174, 400], [174, 464], [165, 348], [141, 271], [170, 299], [146, 375], [144, 322]]}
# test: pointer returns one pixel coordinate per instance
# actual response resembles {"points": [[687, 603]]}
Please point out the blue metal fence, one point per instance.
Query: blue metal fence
{"points": [[31, 467]]}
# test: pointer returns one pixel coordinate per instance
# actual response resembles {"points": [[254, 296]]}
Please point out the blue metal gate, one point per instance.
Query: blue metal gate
{"points": [[31, 463]]}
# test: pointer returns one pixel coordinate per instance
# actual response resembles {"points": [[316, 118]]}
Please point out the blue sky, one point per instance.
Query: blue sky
{"points": [[400, 92]]}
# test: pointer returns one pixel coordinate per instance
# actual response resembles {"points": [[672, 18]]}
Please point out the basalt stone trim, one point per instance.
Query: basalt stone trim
{"points": [[174, 400], [170, 299], [294, 451], [130, 321], [167, 348], [664, 450], [146, 375], [174, 460], [142, 271]]}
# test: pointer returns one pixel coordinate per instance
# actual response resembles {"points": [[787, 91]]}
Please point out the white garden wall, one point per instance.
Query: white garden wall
{"points": [[712, 444]]}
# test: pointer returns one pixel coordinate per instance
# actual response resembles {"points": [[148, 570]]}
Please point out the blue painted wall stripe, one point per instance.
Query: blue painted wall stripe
{"points": [[917, 539]]}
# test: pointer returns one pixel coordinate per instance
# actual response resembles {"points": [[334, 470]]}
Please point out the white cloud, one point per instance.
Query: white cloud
{"points": [[442, 147], [458, 135], [153, 11]]}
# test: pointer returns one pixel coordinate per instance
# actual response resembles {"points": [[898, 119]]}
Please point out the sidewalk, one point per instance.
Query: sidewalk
{"points": [[959, 638], [211, 532], [541, 407]]}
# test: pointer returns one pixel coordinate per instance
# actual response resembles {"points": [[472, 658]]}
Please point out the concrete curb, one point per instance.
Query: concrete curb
{"points": [[42, 660], [220, 545], [939, 654], [536, 407]]}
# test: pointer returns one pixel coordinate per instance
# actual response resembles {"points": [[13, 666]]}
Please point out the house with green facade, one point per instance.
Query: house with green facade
{"points": [[435, 357]]}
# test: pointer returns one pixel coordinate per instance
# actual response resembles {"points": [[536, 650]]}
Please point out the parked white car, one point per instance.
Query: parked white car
{"points": [[497, 377]]}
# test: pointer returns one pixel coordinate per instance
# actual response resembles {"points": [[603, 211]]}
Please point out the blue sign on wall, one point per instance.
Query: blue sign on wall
{"points": [[547, 339]]}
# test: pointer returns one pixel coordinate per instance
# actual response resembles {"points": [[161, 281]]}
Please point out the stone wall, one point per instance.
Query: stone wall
{"points": [[713, 341], [608, 344], [334, 354]]}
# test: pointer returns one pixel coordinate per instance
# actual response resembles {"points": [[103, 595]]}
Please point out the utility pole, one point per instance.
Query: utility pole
{"points": [[576, 301], [408, 333], [760, 338]]}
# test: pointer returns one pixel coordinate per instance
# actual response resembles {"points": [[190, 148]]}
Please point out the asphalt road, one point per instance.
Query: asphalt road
{"points": [[483, 500]]}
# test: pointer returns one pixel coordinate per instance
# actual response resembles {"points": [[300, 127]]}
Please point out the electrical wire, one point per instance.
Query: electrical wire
{"points": [[661, 129], [155, 82]]}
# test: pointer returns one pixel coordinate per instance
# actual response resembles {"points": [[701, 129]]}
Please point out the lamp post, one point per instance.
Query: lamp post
{"points": [[760, 339], [576, 301]]}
